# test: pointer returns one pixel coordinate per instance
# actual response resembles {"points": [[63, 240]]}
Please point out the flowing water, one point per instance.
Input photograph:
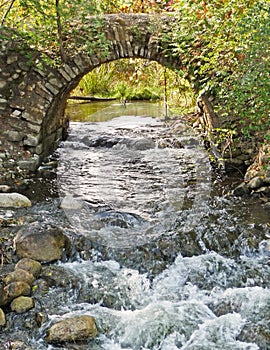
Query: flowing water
{"points": [[168, 259]]}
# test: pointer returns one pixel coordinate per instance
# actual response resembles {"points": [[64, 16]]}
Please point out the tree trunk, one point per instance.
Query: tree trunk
{"points": [[59, 32], [7, 12]]}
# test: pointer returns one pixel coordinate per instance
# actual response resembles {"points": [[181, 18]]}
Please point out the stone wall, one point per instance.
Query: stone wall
{"points": [[33, 95]]}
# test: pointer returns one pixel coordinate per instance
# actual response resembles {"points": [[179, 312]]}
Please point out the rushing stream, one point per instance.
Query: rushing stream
{"points": [[168, 259]]}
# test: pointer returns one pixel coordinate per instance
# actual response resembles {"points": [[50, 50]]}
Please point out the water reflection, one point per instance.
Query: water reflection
{"points": [[107, 110]]}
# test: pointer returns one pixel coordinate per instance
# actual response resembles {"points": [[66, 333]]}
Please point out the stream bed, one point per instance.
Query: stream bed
{"points": [[164, 256]]}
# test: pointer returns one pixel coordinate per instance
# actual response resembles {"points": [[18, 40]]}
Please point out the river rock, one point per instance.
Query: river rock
{"points": [[16, 289], [3, 297], [72, 330], [22, 304], [16, 345], [71, 203], [19, 275], [4, 188], [40, 244], [241, 190], [255, 183], [32, 266], [2, 318], [14, 200]]}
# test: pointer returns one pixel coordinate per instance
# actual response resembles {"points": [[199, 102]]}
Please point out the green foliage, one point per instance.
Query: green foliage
{"points": [[137, 79], [54, 26], [224, 47]]}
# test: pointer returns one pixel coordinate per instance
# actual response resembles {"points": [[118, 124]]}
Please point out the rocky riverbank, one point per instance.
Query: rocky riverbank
{"points": [[43, 237], [228, 147]]}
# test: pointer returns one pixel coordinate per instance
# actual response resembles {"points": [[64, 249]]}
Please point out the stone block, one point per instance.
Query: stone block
{"points": [[66, 76], [31, 140], [51, 88], [69, 71], [30, 164], [31, 117], [39, 149], [16, 114], [12, 59], [54, 81], [34, 127], [14, 136]]}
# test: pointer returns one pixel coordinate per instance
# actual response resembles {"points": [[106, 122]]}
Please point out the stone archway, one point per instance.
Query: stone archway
{"points": [[33, 95]]}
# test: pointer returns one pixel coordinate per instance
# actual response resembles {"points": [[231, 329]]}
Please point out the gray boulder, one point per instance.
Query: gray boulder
{"points": [[14, 200]]}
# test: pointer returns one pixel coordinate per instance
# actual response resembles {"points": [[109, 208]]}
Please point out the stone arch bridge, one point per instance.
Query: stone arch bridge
{"points": [[33, 95]]}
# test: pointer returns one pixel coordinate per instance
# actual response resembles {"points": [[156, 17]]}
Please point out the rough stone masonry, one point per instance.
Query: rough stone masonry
{"points": [[33, 95]]}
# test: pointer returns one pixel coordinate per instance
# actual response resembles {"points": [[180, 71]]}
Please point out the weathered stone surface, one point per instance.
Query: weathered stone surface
{"points": [[255, 183], [2, 318], [31, 140], [241, 190], [16, 289], [19, 275], [30, 164], [36, 95], [14, 136], [22, 304], [72, 329], [14, 200], [40, 244], [32, 266]]}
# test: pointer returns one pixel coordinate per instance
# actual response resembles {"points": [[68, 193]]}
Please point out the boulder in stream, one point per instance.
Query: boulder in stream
{"points": [[14, 200], [73, 329], [22, 304], [41, 244]]}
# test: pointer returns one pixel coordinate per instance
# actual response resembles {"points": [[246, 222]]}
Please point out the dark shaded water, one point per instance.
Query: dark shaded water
{"points": [[168, 259]]}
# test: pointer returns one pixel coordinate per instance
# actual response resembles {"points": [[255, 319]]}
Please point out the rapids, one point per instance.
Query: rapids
{"points": [[165, 257]]}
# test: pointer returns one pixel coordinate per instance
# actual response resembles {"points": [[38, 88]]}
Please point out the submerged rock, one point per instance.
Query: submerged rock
{"points": [[71, 203], [29, 265], [14, 200], [40, 244], [73, 329], [22, 304]]}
